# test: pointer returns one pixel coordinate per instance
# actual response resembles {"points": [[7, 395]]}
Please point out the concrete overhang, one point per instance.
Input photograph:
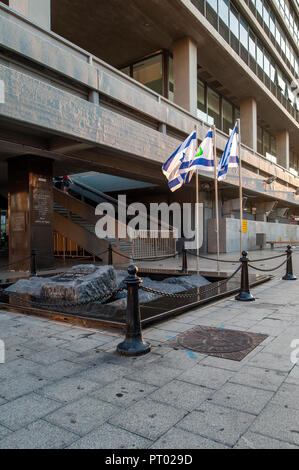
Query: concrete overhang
{"points": [[121, 32]]}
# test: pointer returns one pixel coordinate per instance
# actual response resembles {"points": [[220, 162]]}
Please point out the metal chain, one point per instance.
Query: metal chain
{"points": [[271, 269], [212, 259], [184, 296], [15, 262], [266, 259]]}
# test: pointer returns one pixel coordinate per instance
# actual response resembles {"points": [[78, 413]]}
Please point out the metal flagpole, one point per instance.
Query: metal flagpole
{"points": [[216, 198], [197, 209], [240, 186], [197, 221]]}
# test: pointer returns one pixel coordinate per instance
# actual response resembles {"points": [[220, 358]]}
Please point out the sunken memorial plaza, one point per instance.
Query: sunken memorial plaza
{"points": [[149, 199]]}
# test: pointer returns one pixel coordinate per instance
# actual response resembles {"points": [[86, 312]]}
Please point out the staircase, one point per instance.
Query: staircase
{"points": [[75, 220]]}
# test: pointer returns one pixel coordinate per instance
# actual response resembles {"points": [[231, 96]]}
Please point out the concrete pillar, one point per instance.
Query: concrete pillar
{"points": [[283, 148], [185, 74], [30, 211], [248, 118], [38, 11]]}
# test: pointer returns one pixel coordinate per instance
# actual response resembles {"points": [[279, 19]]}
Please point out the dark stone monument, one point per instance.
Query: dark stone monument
{"points": [[30, 211]]}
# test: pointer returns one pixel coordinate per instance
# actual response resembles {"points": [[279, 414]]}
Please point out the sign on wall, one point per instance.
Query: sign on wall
{"points": [[244, 226]]}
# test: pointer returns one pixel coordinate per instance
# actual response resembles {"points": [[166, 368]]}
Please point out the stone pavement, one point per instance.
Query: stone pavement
{"points": [[64, 387]]}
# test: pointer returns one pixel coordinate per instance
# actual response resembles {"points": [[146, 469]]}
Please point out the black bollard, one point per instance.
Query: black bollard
{"points": [[289, 271], [33, 263], [133, 345], [244, 294], [110, 255], [184, 261]]}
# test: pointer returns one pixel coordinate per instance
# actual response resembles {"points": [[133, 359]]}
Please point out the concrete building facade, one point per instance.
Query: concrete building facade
{"points": [[114, 87]]}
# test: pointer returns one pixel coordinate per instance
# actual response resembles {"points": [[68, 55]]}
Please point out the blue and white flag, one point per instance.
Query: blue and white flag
{"points": [[176, 169], [230, 157], [204, 159]]}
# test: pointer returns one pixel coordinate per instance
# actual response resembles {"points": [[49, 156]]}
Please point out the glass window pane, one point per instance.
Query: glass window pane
{"points": [[201, 96], [214, 106], [149, 72], [244, 33], [223, 11], [227, 113], [213, 4], [234, 21]]}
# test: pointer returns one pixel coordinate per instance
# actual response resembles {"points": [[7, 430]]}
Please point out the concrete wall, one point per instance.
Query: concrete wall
{"points": [[230, 234]]}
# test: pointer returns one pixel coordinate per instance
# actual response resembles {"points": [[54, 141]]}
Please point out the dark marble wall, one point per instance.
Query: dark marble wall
{"points": [[30, 210]]}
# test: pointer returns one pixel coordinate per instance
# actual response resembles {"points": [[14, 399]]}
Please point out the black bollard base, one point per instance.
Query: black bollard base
{"points": [[133, 348], [289, 277], [244, 297]]}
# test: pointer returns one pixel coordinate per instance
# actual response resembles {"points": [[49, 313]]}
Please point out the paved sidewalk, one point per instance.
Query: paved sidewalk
{"points": [[64, 387]]}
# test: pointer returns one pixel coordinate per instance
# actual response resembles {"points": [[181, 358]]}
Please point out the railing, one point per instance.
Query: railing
{"points": [[153, 244]]}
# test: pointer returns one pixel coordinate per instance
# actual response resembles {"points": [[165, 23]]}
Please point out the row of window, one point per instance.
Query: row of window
{"points": [[271, 26], [223, 15], [157, 70], [294, 160], [290, 18]]}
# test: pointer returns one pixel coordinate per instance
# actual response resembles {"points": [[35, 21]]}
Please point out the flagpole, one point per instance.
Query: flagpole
{"points": [[216, 198], [197, 202], [197, 221], [240, 187]]}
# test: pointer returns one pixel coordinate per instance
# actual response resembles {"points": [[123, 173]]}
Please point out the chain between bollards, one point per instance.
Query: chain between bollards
{"points": [[110, 255], [244, 295], [289, 276], [133, 345], [184, 261], [33, 263]]}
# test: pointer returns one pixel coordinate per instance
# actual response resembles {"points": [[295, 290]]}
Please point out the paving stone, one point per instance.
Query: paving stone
{"points": [[57, 371], [16, 368], [82, 415], [46, 343], [104, 373], [158, 334], [49, 356], [14, 388], [251, 440], [217, 423], [278, 422], [182, 395], [68, 389], [38, 435], [206, 376], [180, 359], [123, 392], [22, 411], [83, 344], [287, 396], [179, 439], [248, 399], [148, 418], [272, 361], [111, 437], [155, 374], [173, 325], [256, 377], [4, 432]]}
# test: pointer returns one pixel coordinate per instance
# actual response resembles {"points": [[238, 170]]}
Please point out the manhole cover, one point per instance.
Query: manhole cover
{"points": [[215, 340], [228, 344]]}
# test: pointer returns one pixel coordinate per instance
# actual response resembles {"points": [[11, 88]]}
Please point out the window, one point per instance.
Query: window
{"points": [[150, 73], [201, 100], [227, 116], [214, 107]]}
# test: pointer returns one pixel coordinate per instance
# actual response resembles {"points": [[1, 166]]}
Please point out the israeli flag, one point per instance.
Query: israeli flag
{"points": [[230, 157], [176, 169], [204, 159]]}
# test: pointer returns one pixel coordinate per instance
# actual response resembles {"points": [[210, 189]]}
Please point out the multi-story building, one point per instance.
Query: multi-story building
{"points": [[115, 86]]}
